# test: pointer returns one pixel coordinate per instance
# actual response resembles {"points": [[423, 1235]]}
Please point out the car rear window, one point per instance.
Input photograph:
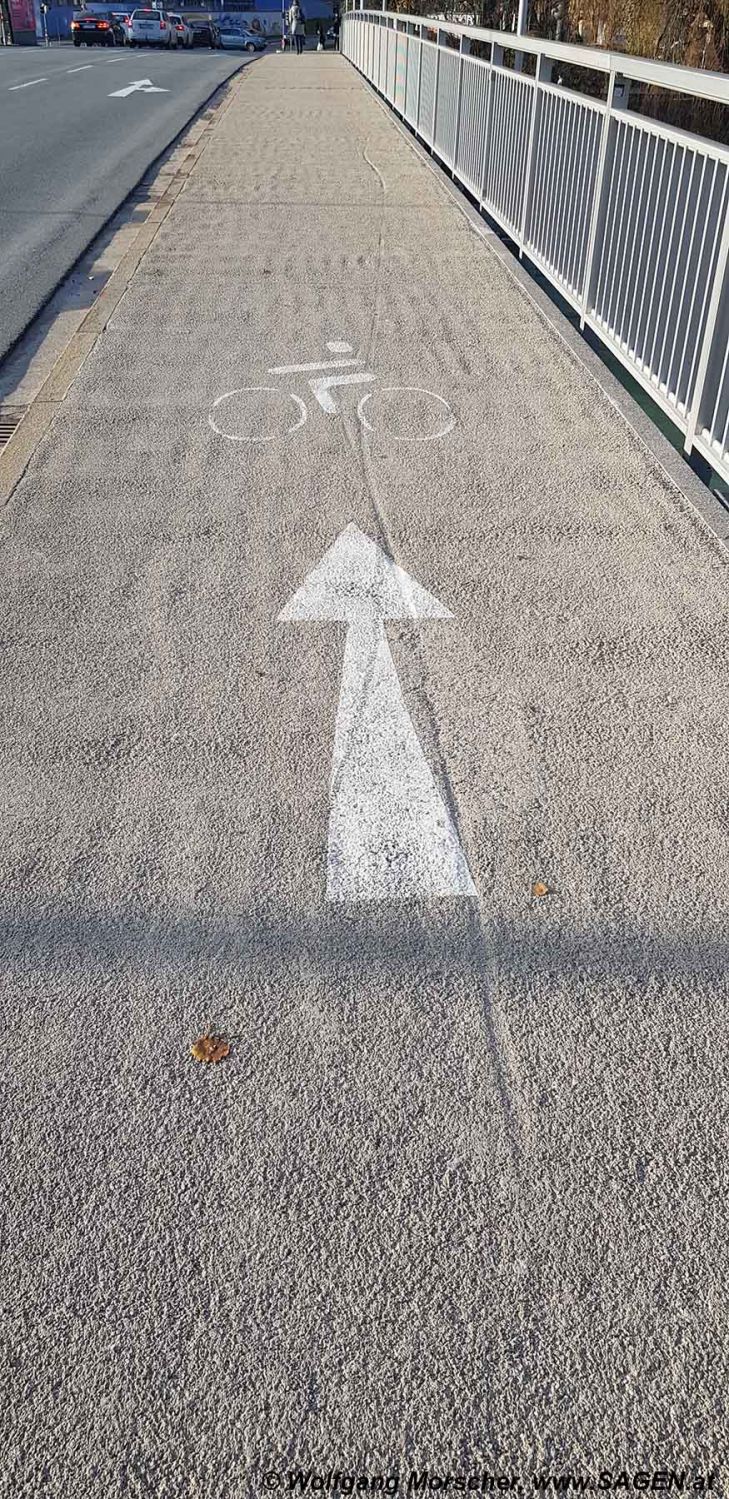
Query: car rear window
{"points": [[144, 14]]}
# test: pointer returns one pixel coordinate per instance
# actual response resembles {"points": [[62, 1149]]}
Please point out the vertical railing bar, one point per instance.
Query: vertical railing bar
{"points": [[420, 75], [695, 395], [435, 89], [641, 333], [699, 263], [530, 96], [550, 112], [573, 136], [512, 144], [652, 151], [487, 131], [669, 304], [593, 152], [500, 140], [404, 110], [508, 98], [532, 222], [482, 112], [508, 153], [719, 389], [597, 200], [495, 127], [659, 252], [663, 251], [458, 109], [512, 117], [575, 163], [616, 236], [616, 300], [552, 178], [720, 383], [634, 219], [463, 135]]}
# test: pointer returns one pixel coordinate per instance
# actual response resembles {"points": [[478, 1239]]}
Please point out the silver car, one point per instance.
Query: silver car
{"points": [[240, 35]]}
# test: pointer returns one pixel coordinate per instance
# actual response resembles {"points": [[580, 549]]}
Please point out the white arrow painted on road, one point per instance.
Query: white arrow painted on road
{"points": [[390, 834], [142, 86]]}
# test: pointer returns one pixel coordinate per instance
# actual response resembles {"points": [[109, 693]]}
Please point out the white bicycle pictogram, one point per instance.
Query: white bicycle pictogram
{"points": [[247, 414]]}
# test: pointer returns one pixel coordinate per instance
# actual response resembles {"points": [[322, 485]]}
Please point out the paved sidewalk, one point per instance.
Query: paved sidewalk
{"points": [[457, 1199]]}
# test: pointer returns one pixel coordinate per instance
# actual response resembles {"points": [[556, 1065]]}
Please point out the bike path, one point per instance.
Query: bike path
{"points": [[454, 1201]]}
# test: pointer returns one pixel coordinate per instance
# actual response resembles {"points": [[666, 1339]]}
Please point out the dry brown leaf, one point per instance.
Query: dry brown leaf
{"points": [[210, 1049], [539, 889]]}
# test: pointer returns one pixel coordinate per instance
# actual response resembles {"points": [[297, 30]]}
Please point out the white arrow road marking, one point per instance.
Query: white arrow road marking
{"points": [[142, 86], [322, 387], [15, 86], [390, 834]]}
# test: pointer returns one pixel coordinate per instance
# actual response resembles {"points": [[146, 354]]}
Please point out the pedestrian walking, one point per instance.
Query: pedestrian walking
{"points": [[297, 27], [321, 44], [335, 29]]}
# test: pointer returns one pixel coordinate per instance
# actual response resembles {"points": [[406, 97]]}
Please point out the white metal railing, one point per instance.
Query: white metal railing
{"points": [[628, 217]]}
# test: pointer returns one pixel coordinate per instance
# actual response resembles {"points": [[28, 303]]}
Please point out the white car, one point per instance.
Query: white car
{"points": [[150, 28], [182, 28]]}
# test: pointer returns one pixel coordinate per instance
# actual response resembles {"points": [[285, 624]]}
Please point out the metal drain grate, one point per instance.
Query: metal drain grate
{"points": [[10, 420]]}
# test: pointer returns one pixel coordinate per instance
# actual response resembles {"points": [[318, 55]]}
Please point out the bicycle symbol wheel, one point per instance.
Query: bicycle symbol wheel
{"points": [[243, 415], [400, 413], [422, 416]]}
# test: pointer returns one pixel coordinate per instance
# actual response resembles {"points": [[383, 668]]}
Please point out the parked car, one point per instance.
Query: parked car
{"points": [[118, 21], [150, 28], [92, 26], [204, 33], [183, 28], [241, 35]]}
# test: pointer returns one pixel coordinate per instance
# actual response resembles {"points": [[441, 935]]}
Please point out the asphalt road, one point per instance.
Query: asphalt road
{"points": [[392, 747], [71, 152]]}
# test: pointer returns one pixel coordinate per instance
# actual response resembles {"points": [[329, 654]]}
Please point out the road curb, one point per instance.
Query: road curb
{"points": [[18, 451]]}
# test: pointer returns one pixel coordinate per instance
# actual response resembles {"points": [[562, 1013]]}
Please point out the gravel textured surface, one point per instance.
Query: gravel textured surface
{"points": [[457, 1199]]}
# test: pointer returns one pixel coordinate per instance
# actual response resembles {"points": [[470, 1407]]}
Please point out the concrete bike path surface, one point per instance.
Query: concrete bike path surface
{"points": [[291, 729]]}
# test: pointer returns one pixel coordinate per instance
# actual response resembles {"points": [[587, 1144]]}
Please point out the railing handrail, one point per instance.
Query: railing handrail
{"points": [[698, 81]]}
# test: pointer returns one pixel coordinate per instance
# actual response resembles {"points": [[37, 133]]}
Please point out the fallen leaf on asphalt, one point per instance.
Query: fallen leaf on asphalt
{"points": [[210, 1049], [539, 889]]}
